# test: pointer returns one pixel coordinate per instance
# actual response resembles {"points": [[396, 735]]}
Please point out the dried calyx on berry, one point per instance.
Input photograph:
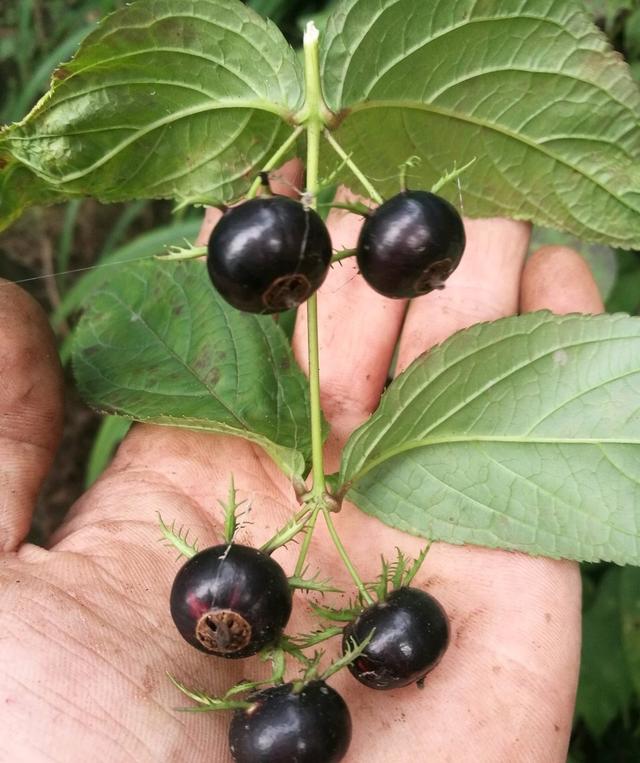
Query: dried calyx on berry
{"points": [[231, 600], [410, 244], [269, 254]]}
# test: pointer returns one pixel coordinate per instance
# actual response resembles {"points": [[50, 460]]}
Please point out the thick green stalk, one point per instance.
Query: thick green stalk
{"points": [[314, 122]]}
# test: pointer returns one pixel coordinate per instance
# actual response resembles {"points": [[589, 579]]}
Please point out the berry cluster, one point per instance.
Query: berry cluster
{"points": [[271, 253], [268, 255], [234, 601]]}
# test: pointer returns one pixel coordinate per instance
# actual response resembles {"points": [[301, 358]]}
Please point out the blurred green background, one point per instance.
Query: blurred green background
{"points": [[35, 36]]}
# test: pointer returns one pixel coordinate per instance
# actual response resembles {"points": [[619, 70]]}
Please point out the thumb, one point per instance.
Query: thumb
{"points": [[31, 407]]}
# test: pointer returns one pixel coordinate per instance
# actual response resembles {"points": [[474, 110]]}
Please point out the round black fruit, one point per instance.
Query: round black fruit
{"points": [[411, 635], [411, 244], [269, 254], [230, 600], [312, 726]]}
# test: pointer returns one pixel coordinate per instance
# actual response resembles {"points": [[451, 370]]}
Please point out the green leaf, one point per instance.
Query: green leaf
{"points": [[20, 188], [146, 245], [632, 35], [182, 99], [625, 295], [110, 435], [533, 90], [630, 616], [39, 79], [520, 434], [275, 10], [158, 344], [608, 10], [605, 688]]}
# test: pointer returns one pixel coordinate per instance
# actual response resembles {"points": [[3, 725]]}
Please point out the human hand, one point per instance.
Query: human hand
{"points": [[85, 631]]}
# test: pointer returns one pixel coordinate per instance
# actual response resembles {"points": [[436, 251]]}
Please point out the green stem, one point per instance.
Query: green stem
{"points": [[275, 159], [295, 525], [317, 454], [230, 513], [364, 594], [342, 255], [453, 175], [357, 209], [304, 549], [314, 123], [366, 183]]}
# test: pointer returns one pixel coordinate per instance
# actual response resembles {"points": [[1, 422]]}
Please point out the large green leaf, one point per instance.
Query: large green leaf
{"points": [[180, 99], [529, 87], [521, 434], [630, 617], [158, 344], [605, 688]]}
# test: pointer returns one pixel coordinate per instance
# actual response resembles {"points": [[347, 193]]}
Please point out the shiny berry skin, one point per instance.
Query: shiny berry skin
{"points": [[313, 726], [268, 254], [230, 600], [411, 244], [411, 635]]}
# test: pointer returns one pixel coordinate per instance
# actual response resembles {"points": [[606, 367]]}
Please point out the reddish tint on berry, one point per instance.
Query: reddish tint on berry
{"points": [[411, 635], [269, 254], [281, 726], [410, 244], [230, 600]]}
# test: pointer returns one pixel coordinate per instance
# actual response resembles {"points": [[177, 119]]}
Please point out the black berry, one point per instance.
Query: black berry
{"points": [[411, 244], [313, 726], [411, 635], [230, 600], [269, 254]]}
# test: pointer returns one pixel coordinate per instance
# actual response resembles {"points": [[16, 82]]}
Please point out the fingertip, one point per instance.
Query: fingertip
{"points": [[212, 216], [31, 408], [557, 278], [483, 288], [288, 180]]}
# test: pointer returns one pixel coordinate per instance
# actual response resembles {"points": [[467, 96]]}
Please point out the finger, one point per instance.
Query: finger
{"points": [[184, 475], [358, 330], [31, 408], [515, 618], [484, 287], [557, 278], [285, 181]]}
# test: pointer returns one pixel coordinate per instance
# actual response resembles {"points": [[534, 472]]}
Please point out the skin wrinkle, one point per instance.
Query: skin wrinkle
{"points": [[123, 637]]}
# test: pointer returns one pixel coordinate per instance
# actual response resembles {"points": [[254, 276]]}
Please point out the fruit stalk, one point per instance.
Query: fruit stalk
{"points": [[362, 589], [373, 194], [275, 160]]}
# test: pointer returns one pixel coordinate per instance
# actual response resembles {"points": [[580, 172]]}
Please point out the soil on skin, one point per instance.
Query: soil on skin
{"points": [[27, 250]]}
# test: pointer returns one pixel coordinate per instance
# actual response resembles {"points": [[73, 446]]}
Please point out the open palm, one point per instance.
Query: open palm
{"points": [[85, 632]]}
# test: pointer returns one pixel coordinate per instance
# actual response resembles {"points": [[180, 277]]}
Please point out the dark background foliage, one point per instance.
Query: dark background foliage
{"points": [[46, 243]]}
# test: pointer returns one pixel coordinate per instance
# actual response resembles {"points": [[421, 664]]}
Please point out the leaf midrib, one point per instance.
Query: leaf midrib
{"points": [[466, 118], [455, 439], [172, 118], [490, 384]]}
